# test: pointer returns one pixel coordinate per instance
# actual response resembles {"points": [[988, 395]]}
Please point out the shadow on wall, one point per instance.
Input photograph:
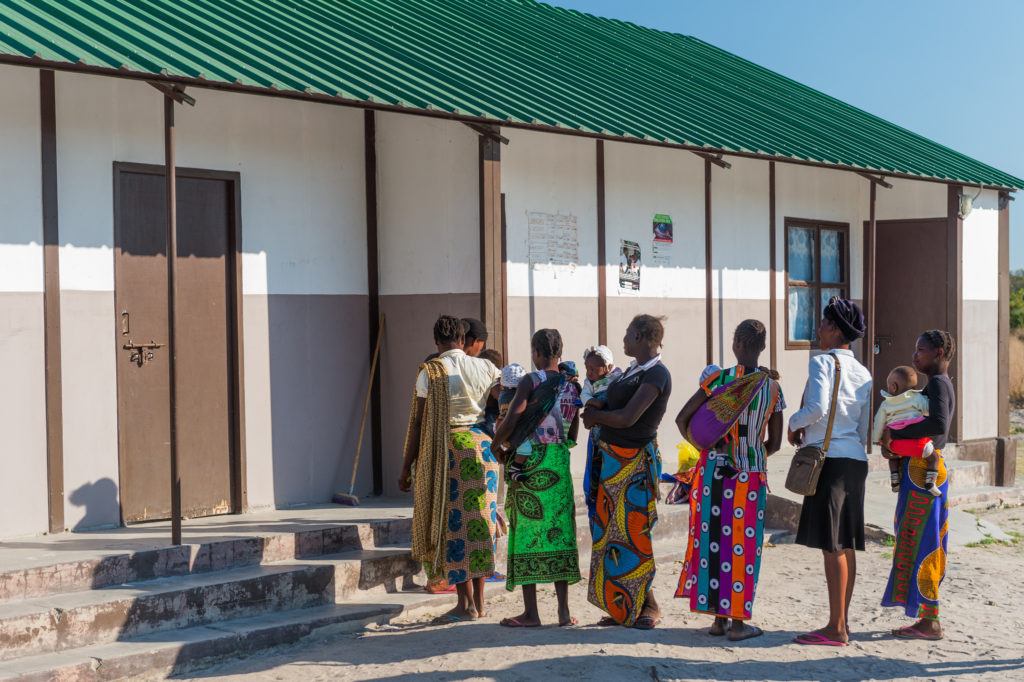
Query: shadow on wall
{"points": [[319, 365], [100, 502]]}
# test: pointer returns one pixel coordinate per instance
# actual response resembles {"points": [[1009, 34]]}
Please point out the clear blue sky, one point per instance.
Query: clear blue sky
{"points": [[950, 71]]}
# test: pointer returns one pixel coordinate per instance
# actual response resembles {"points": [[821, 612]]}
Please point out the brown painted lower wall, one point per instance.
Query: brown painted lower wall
{"points": [[408, 339], [22, 415], [306, 369]]}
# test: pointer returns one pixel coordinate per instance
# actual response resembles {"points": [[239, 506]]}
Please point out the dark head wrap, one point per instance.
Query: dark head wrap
{"points": [[846, 315]]}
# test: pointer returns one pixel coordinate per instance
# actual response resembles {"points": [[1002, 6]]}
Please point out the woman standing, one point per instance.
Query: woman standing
{"points": [[456, 477], [540, 505], [730, 491], [832, 519], [622, 563], [919, 558]]}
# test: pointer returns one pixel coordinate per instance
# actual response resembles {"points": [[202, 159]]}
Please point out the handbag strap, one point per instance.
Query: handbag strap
{"points": [[832, 405]]}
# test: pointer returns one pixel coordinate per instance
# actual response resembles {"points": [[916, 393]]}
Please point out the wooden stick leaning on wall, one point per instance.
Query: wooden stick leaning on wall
{"points": [[350, 499]]}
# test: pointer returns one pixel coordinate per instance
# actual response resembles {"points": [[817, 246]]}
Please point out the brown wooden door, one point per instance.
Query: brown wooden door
{"points": [[205, 354], [910, 289]]}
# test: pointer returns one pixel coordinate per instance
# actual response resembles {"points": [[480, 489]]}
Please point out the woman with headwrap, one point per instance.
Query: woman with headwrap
{"points": [[832, 519]]}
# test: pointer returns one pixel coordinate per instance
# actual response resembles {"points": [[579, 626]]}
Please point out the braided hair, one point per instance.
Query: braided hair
{"points": [[449, 329], [547, 343], [940, 339], [752, 335], [650, 328]]}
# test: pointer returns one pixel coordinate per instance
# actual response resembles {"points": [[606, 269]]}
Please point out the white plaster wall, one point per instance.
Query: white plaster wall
{"points": [[641, 181], [23, 486], [303, 217], [910, 199], [815, 194], [979, 349], [981, 248], [550, 174], [428, 206], [740, 230]]}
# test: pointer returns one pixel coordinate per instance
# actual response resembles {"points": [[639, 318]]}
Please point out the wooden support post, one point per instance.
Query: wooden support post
{"points": [[373, 294], [869, 301], [602, 252], [51, 303], [491, 305], [170, 174], [1003, 381], [955, 299], [708, 263], [773, 302]]}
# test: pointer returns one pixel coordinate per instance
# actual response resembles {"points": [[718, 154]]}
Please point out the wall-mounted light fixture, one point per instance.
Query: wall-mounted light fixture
{"points": [[967, 203]]}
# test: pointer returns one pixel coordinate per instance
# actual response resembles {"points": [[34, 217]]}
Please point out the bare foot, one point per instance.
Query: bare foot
{"points": [[718, 627], [456, 615]]}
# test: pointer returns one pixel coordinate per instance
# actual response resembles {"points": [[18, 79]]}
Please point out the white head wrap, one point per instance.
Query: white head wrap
{"points": [[603, 352], [512, 374]]}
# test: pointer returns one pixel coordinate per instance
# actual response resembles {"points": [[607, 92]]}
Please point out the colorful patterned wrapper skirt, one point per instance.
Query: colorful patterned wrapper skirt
{"points": [[723, 552], [542, 520], [472, 506], [922, 534], [622, 563]]}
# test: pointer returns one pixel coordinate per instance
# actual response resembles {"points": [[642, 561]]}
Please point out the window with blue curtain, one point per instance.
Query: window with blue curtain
{"points": [[817, 268]]}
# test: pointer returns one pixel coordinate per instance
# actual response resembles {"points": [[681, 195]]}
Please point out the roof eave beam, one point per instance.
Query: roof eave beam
{"points": [[490, 132], [716, 159], [175, 92], [880, 180]]}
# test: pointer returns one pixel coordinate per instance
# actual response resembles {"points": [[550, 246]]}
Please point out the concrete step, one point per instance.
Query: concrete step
{"points": [[187, 651], [71, 620], [963, 474], [783, 510], [179, 652], [132, 566]]}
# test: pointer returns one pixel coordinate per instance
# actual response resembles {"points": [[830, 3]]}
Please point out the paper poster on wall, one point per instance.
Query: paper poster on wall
{"points": [[629, 266], [661, 253], [662, 228], [553, 240]]}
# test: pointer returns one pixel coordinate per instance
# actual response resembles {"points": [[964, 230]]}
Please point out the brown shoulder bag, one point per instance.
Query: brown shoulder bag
{"points": [[808, 461]]}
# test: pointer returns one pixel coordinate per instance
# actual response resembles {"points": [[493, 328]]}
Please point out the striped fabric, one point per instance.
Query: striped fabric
{"points": [[744, 445]]}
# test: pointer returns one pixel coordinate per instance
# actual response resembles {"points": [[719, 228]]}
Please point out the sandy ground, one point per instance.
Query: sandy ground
{"points": [[983, 597]]}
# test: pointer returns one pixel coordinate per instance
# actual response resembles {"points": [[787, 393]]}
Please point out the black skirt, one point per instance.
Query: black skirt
{"points": [[833, 518]]}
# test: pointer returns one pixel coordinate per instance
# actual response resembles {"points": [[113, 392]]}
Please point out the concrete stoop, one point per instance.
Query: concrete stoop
{"points": [[185, 608], [969, 490]]}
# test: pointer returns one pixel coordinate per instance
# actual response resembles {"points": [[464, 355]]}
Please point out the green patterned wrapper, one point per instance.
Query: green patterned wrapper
{"points": [[542, 520]]}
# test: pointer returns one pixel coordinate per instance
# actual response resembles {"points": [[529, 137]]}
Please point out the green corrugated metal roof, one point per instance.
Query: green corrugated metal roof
{"points": [[516, 62]]}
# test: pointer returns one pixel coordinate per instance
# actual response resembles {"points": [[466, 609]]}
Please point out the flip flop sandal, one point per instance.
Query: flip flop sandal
{"points": [[914, 633], [646, 623], [516, 623], [750, 633], [817, 639], [572, 622], [607, 622]]}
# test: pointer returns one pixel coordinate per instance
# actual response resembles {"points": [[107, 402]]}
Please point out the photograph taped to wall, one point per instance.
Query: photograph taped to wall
{"points": [[629, 266], [553, 240], [661, 253], [662, 227]]}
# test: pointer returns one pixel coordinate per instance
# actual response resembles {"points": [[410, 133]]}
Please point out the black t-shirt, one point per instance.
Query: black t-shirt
{"points": [[646, 427], [941, 408]]}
